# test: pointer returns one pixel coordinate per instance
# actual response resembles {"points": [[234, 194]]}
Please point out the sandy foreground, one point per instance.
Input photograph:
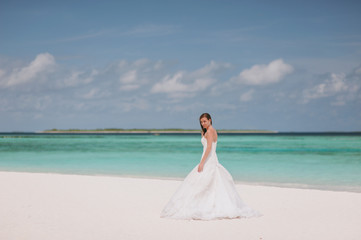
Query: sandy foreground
{"points": [[54, 206]]}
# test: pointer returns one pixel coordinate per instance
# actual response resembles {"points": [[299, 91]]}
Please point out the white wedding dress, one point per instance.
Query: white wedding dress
{"points": [[207, 195]]}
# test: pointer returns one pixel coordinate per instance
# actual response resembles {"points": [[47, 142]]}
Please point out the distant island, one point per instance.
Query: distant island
{"points": [[154, 131]]}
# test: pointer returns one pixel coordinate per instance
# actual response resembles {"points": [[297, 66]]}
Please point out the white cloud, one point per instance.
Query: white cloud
{"points": [[274, 72], [175, 84], [211, 68], [78, 77], [140, 62], [43, 63], [95, 93], [66, 91], [183, 84], [129, 77], [336, 85], [136, 74], [170, 84], [247, 96], [327, 88]]}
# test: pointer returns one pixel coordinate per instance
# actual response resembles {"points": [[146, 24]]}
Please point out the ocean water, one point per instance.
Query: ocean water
{"points": [[331, 162]]}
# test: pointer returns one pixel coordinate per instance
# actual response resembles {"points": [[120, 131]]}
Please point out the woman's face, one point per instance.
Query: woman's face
{"points": [[205, 122]]}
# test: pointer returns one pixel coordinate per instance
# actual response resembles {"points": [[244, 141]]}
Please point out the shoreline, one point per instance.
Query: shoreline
{"points": [[59, 206], [346, 189]]}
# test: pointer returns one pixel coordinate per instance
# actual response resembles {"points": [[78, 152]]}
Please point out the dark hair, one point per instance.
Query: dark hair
{"points": [[206, 115]]}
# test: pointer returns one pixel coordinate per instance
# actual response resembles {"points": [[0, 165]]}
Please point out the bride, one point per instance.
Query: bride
{"points": [[208, 192]]}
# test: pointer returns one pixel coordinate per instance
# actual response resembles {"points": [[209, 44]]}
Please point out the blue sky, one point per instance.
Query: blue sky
{"points": [[276, 65]]}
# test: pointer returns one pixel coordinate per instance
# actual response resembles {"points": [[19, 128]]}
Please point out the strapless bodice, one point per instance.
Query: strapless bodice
{"points": [[204, 140], [204, 143]]}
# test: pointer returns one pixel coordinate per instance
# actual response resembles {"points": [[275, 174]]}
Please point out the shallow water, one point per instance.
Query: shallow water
{"points": [[306, 161]]}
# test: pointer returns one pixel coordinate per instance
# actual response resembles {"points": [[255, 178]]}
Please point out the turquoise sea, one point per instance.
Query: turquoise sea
{"points": [[318, 161]]}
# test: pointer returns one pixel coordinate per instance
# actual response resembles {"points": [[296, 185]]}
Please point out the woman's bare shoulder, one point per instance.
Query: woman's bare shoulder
{"points": [[214, 134]]}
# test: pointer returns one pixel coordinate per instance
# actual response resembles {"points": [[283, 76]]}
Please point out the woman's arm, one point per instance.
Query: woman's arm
{"points": [[208, 150]]}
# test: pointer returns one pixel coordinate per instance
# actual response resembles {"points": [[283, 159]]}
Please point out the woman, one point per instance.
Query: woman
{"points": [[208, 192]]}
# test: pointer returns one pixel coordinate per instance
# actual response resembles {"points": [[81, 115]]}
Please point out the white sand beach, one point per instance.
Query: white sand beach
{"points": [[38, 206]]}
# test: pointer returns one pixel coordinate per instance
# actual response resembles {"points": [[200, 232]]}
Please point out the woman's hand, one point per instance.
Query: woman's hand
{"points": [[200, 167]]}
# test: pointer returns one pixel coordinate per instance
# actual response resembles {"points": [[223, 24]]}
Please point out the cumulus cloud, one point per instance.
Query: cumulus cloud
{"points": [[211, 68], [43, 63], [129, 77], [146, 85], [170, 84], [134, 75], [76, 78], [175, 86], [331, 86], [186, 84], [128, 80], [42, 88], [95, 93], [340, 85], [274, 72]]}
